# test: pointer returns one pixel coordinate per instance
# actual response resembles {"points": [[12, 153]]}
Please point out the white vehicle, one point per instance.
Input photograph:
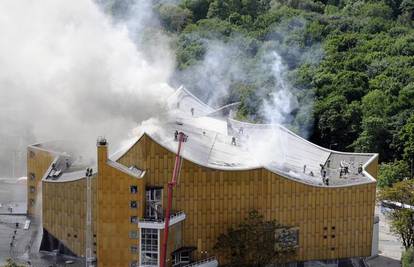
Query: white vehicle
{"points": [[26, 225]]}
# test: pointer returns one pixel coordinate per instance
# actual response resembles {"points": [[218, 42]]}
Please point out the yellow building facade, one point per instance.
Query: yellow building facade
{"points": [[333, 222], [332, 208]]}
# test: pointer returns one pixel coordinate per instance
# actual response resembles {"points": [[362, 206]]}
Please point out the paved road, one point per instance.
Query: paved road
{"points": [[7, 228], [390, 247]]}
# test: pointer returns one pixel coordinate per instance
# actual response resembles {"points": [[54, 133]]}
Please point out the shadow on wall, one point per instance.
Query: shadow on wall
{"points": [[50, 243]]}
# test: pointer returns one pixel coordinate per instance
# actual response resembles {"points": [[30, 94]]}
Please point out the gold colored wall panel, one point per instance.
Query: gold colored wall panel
{"points": [[114, 212], [63, 203], [372, 168], [64, 212], [215, 200], [38, 161]]}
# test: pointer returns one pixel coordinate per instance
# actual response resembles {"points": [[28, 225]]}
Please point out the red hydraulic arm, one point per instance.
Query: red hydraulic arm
{"points": [[181, 138]]}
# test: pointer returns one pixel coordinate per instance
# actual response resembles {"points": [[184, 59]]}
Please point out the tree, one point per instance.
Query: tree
{"points": [[402, 219], [11, 263], [256, 242], [407, 9], [392, 172], [174, 18], [406, 96], [375, 136], [337, 122], [219, 8], [375, 103], [407, 137], [407, 259], [198, 7]]}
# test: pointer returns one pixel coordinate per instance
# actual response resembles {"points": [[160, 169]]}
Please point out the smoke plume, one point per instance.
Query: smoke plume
{"points": [[267, 67], [68, 71]]}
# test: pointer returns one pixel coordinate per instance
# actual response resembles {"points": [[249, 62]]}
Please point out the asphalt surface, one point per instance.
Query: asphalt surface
{"points": [[17, 243]]}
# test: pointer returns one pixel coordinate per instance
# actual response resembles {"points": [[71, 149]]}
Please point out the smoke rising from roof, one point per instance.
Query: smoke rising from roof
{"points": [[281, 102], [67, 71], [264, 71], [264, 67]]}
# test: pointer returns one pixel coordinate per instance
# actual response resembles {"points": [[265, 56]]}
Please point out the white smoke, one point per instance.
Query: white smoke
{"points": [[273, 99], [278, 107], [211, 78], [267, 67], [225, 64], [68, 72]]}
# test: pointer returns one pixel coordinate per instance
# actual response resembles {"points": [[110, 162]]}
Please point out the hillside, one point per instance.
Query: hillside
{"points": [[339, 72]]}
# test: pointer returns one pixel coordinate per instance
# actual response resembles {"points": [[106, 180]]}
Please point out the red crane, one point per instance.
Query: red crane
{"points": [[181, 139]]}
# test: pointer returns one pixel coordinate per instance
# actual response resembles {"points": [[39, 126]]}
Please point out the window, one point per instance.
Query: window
{"points": [[149, 239], [133, 189], [32, 176], [32, 189], [134, 249], [134, 204], [133, 234], [185, 257], [134, 219], [154, 194], [333, 227], [332, 249], [181, 258], [325, 237], [149, 247], [75, 236], [333, 236], [149, 258], [154, 203]]}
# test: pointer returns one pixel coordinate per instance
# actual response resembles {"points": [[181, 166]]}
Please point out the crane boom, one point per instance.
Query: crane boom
{"points": [[181, 139]]}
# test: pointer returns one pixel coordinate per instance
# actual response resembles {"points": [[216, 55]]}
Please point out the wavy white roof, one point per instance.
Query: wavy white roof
{"points": [[257, 145], [210, 144]]}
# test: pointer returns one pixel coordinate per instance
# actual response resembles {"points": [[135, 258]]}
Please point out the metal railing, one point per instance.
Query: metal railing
{"points": [[159, 220], [201, 262]]}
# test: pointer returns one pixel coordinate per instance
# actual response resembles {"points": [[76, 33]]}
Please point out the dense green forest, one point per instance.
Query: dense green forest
{"points": [[349, 62]]}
